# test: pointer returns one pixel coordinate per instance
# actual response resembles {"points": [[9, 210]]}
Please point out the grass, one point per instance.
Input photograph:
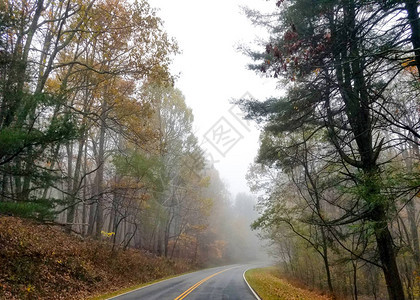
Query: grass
{"points": [[267, 283]]}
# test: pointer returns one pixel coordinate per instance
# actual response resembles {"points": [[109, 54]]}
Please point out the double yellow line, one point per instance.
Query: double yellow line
{"points": [[187, 292]]}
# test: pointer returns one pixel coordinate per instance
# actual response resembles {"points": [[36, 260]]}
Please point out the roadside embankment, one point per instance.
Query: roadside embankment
{"points": [[267, 283], [39, 261]]}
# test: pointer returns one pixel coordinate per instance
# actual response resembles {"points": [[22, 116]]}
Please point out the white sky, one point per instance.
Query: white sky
{"points": [[212, 72]]}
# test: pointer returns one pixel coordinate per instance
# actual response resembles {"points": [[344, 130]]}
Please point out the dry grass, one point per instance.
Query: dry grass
{"points": [[269, 286], [42, 262]]}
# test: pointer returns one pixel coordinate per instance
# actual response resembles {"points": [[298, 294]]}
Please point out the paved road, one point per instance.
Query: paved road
{"points": [[219, 283]]}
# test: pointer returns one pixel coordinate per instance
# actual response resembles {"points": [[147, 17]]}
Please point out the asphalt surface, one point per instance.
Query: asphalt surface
{"points": [[225, 283]]}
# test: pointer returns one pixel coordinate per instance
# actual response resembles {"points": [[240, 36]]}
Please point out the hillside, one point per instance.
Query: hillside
{"points": [[42, 262]]}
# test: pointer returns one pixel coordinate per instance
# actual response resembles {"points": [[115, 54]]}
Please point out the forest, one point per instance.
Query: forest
{"points": [[338, 164], [97, 140], [95, 137]]}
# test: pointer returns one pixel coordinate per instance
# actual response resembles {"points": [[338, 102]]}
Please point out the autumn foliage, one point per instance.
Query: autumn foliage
{"points": [[40, 261]]}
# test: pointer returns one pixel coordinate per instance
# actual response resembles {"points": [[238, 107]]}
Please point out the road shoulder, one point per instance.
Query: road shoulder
{"points": [[268, 285]]}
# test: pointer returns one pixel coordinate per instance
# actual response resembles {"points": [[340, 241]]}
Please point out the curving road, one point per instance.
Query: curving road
{"points": [[219, 283]]}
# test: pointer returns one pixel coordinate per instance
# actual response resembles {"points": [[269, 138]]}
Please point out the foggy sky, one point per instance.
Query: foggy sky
{"points": [[212, 72]]}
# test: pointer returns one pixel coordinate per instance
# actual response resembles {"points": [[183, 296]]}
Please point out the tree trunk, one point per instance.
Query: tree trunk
{"points": [[84, 213], [70, 211], [100, 172], [411, 7], [411, 214], [411, 207], [389, 264], [326, 264], [92, 218], [349, 69], [355, 291]]}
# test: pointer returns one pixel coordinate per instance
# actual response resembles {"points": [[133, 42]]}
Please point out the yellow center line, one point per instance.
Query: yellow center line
{"points": [[187, 292]]}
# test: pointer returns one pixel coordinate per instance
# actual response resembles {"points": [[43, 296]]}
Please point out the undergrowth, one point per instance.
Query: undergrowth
{"points": [[269, 286], [42, 262]]}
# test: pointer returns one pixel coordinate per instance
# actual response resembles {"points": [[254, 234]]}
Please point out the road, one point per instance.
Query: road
{"points": [[219, 283]]}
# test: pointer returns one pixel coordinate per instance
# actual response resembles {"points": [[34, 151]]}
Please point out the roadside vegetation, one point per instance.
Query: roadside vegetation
{"points": [[41, 261], [269, 285], [338, 164], [96, 142]]}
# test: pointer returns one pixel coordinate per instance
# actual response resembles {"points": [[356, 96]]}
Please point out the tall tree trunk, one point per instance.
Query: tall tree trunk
{"points": [[411, 7], [100, 172], [75, 184], [92, 218], [355, 291], [18, 179], [4, 187], [411, 207], [159, 236], [387, 256], [168, 231], [411, 215], [84, 193], [326, 263], [350, 76], [70, 211]]}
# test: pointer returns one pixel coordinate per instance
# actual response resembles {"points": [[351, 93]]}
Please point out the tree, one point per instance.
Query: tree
{"points": [[30, 122], [182, 163], [118, 49], [329, 52], [71, 74]]}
